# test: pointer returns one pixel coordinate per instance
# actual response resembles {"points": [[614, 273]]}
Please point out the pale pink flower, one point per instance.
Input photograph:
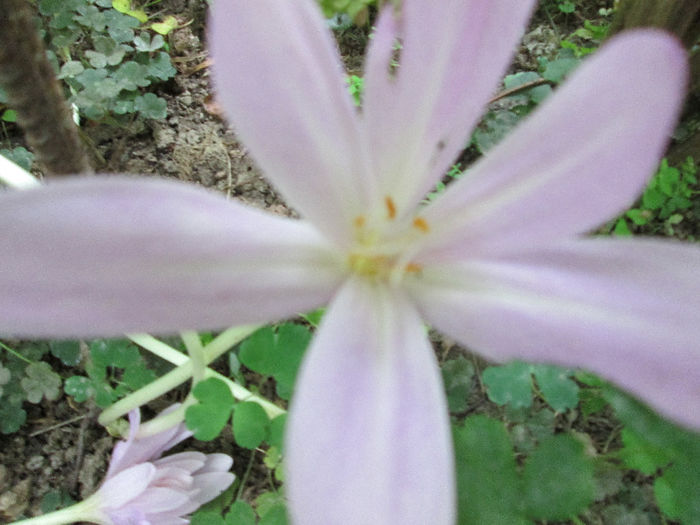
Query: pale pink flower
{"points": [[143, 488], [500, 262]]}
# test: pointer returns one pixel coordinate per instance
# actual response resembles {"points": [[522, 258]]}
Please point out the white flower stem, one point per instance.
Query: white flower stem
{"points": [[194, 349], [179, 375], [83, 511]]}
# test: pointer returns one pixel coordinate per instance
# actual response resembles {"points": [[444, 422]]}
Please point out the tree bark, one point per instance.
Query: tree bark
{"points": [[682, 18], [35, 94]]}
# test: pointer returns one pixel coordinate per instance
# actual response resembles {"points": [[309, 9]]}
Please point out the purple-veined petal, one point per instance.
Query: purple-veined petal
{"points": [[280, 80], [629, 310], [583, 158], [104, 256], [454, 53], [368, 436]]}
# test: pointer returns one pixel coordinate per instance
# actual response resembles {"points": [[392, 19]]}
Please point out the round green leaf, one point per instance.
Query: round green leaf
{"points": [[207, 418], [458, 378], [509, 384], [240, 513], [558, 479], [560, 392], [250, 424], [488, 488]]}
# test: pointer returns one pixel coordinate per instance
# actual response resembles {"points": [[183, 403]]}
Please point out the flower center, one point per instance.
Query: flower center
{"points": [[382, 250]]}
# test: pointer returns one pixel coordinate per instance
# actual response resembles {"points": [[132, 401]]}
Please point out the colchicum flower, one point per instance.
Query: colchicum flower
{"points": [[145, 489], [500, 262]]}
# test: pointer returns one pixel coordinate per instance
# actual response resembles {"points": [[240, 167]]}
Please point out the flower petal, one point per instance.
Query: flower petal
{"points": [[104, 256], [583, 157], [126, 486], [368, 436], [210, 485], [629, 310], [216, 463], [280, 80], [138, 450], [453, 54]]}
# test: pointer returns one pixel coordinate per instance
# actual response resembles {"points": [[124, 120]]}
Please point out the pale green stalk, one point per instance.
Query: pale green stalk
{"points": [[194, 349], [86, 510], [179, 375]]}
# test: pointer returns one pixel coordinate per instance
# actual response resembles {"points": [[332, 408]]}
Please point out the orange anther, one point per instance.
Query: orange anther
{"points": [[359, 221], [413, 268], [421, 224], [390, 206]]}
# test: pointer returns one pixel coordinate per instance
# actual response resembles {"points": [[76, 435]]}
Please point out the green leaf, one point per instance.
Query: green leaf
{"points": [[20, 156], [654, 437], [488, 487], [9, 115], [639, 217], [131, 75], [40, 382], [256, 351], [276, 437], [493, 128], [79, 388], [67, 351], [566, 6], [5, 376], [146, 44], [70, 69], [114, 352], [621, 229], [314, 318], [560, 392], [55, 499], [558, 479], [591, 401], [12, 417], [160, 66], [292, 341], [120, 26], [250, 424], [653, 199], [266, 501], [207, 418], [638, 453], [138, 375], [91, 17], [276, 515], [164, 27], [509, 384], [276, 354], [240, 513], [535, 94], [677, 491], [556, 70], [458, 378], [207, 517], [151, 106]]}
